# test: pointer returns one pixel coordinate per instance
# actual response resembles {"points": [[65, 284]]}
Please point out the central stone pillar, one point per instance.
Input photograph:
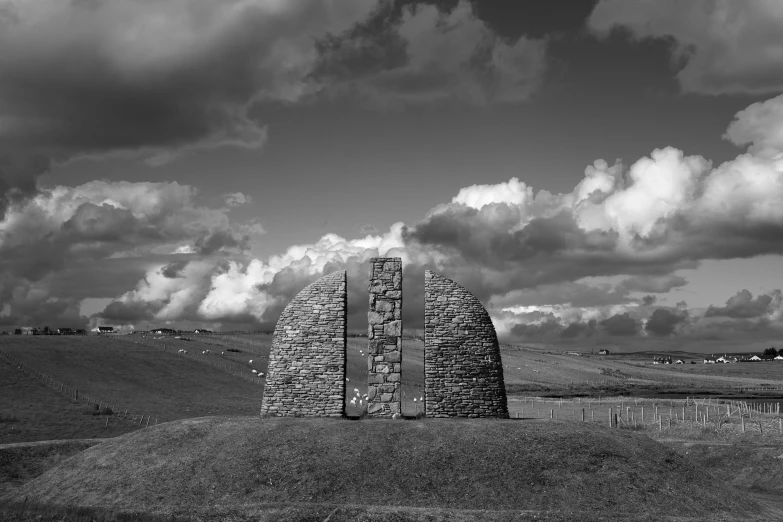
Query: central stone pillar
{"points": [[384, 333]]}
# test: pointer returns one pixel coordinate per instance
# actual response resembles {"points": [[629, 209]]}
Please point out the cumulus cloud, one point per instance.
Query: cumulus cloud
{"points": [[419, 53], [720, 47], [237, 199], [664, 322], [759, 126], [620, 324], [107, 234], [744, 306], [543, 263]]}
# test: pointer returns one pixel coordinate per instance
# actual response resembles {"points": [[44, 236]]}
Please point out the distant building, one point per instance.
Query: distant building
{"points": [[754, 358], [102, 329], [65, 331], [201, 331], [779, 358], [164, 331], [573, 353], [603, 351], [679, 361]]}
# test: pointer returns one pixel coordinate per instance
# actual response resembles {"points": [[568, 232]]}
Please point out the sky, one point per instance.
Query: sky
{"points": [[601, 172]]}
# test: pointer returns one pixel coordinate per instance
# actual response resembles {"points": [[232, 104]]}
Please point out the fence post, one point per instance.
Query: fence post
{"points": [[583, 414], [660, 424]]}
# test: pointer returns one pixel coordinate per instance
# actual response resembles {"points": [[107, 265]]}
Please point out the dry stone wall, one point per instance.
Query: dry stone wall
{"points": [[463, 372], [384, 333], [306, 375]]}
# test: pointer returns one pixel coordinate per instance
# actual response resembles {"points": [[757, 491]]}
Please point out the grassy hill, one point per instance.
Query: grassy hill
{"points": [[128, 376], [238, 468]]}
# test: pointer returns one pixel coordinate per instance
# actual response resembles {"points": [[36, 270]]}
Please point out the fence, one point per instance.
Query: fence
{"points": [[74, 394], [659, 414]]}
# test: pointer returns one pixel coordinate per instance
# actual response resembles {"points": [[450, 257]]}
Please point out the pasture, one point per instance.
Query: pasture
{"points": [[125, 375], [214, 385]]}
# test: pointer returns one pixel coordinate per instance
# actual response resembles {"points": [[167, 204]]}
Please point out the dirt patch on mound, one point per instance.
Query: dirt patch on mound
{"points": [[203, 467]]}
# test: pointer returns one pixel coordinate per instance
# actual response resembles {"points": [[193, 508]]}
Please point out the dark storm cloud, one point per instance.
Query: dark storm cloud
{"points": [[482, 236], [547, 328], [156, 79], [663, 322], [417, 52], [18, 175], [552, 249], [742, 306], [621, 325], [89, 78], [174, 270], [649, 300], [221, 239], [576, 329], [653, 283], [717, 47]]}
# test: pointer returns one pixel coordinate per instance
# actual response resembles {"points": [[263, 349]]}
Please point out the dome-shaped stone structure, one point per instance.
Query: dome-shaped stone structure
{"points": [[306, 375], [463, 373]]}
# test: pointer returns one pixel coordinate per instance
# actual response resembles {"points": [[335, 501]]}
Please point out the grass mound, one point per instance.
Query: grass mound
{"points": [[221, 468], [20, 463]]}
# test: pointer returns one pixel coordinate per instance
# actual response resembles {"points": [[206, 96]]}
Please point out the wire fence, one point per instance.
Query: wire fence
{"points": [[660, 414], [73, 393]]}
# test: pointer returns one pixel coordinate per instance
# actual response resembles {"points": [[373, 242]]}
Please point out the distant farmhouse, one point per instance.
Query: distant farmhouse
{"points": [[103, 329], [201, 331], [662, 360], [65, 331], [603, 351], [164, 331], [27, 330]]}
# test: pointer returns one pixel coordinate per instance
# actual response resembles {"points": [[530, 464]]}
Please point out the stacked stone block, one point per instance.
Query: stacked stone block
{"points": [[463, 373], [306, 375], [384, 359]]}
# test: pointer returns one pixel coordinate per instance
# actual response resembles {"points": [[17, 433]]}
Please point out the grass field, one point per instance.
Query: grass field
{"points": [[129, 377], [30, 411], [136, 373], [249, 468]]}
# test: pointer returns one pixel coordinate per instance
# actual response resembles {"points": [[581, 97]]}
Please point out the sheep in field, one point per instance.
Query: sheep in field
{"points": [[250, 361], [255, 371]]}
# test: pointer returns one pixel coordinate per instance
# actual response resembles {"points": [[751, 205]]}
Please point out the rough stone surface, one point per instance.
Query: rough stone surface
{"points": [[306, 375], [384, 334], [463, 373]]}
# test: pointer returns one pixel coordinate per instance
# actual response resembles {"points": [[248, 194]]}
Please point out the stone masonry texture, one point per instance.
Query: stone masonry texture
{"points": [[463, 373], [384, 333], [306, 375]]}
